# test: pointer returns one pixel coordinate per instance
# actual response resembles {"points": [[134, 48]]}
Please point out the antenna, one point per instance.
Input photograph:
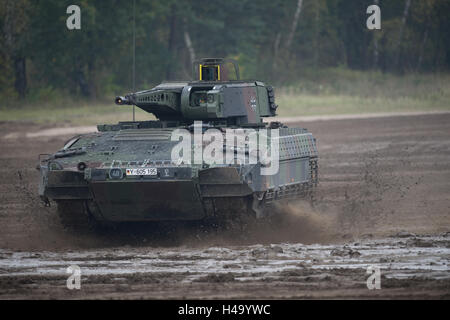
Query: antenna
{"points": [[134, 53]]}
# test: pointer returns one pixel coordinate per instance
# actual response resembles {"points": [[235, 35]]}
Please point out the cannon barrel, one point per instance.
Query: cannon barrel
{"points": [[123, 100]]}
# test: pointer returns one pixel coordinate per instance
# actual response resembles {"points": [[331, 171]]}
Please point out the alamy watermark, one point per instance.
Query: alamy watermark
{"points": [[73, 22], [240, 146], [374, 280], [74, 280], [374, 20]]}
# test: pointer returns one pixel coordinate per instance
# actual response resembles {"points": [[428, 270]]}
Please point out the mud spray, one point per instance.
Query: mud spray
{"points": [[296, 221], [293, 222]]}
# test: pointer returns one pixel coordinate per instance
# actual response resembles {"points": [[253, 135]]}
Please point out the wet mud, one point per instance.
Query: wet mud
{"points": [[383, 201]]}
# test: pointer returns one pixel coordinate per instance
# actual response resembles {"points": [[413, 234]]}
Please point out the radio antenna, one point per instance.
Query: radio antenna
{"points": [[134, 53]]}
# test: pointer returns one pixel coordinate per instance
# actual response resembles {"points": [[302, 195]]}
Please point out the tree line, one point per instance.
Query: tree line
{"points": [[274, 40]]}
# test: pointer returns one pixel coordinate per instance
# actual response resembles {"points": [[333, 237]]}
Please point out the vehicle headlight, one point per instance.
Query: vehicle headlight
{"points": [[53, 165]]}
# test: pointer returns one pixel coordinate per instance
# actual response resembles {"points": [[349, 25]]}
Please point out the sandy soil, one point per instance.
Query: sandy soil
{"points": [[383, 201]]}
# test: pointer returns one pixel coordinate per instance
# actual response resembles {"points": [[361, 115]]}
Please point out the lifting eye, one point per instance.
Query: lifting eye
{"points": [[81, 166]]}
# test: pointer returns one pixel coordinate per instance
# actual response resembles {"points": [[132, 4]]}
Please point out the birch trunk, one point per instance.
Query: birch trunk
{"points": [[294, 24], [402, 27], [276, 47], [189, 46]]}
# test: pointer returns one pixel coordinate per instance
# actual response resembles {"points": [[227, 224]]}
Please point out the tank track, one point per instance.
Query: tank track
{"points": [[79, 216]]}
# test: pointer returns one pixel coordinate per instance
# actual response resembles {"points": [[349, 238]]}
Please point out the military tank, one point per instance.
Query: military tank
{"points": [[159, 170]]}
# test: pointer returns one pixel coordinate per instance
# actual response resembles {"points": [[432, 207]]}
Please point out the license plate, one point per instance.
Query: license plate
{"points": [[142, 172]]}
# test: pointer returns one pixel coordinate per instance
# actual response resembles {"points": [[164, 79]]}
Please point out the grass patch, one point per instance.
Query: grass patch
{"points": [[75, 115], [321, 92], [306, 105], [341, 91]]}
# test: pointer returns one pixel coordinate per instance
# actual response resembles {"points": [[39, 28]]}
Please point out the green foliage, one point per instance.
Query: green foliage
{"points": [[317, 94], [96, 61]]}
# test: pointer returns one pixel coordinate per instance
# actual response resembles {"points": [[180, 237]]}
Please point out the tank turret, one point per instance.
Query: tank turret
{"points": [[211, 97]]}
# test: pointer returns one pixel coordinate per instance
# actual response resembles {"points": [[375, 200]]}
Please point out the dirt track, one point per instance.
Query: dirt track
{"points": [[383, 200]]}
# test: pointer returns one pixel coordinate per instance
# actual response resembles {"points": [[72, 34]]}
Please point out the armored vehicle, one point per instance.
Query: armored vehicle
{"points": [[209, 154]]}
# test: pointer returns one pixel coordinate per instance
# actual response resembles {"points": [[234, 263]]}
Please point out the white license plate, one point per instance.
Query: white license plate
{"points": [[142, 172]]}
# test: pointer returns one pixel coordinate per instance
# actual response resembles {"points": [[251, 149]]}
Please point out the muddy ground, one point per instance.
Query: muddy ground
{"points": [[383, 201]]}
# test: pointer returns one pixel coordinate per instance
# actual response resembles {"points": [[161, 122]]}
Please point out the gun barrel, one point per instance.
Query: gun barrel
{"points": [[122, 100]]}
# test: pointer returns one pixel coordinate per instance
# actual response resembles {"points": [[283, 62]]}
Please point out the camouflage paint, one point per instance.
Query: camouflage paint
{"points": [[92, 168]]}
